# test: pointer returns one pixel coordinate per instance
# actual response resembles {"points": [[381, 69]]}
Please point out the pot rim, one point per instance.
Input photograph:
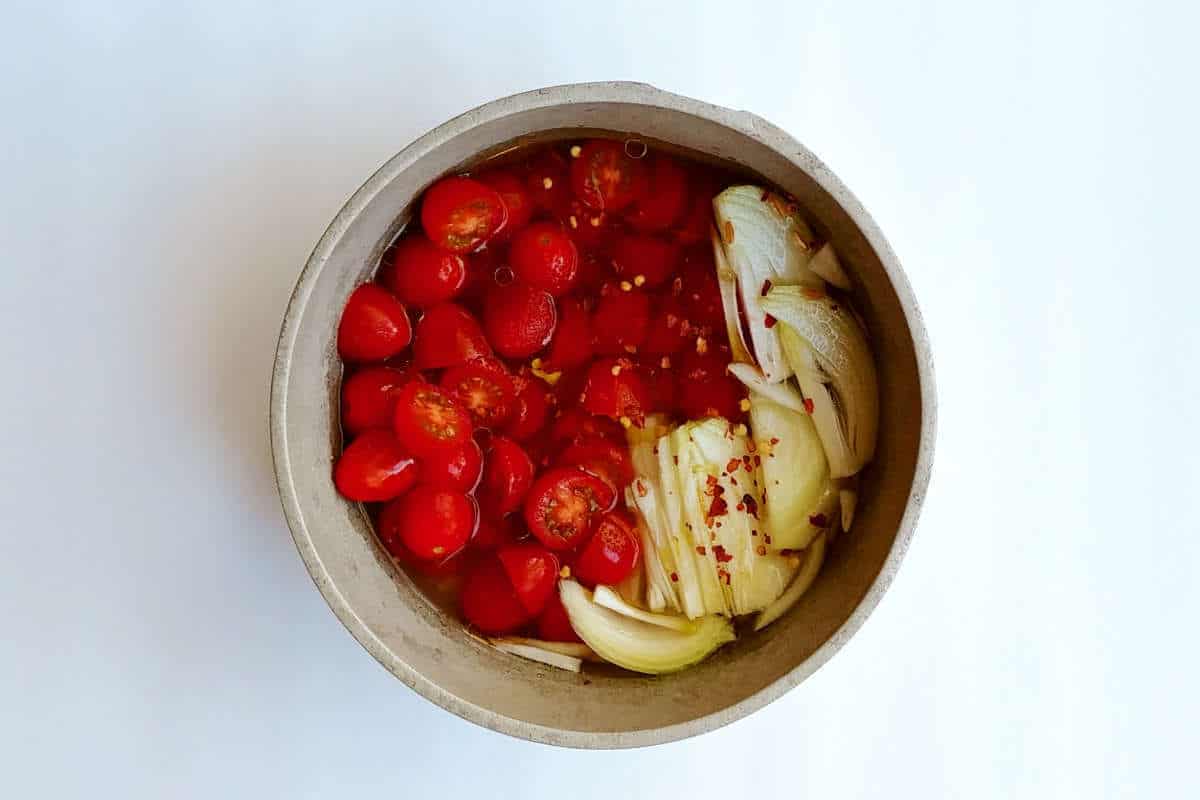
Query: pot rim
{"points": [[643, 94]]}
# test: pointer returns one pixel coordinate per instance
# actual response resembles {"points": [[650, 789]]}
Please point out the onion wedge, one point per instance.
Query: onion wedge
{"points": [[814, 557], [826, 264], [727, 281], [606, 598], [782, 393], [548, 657]]}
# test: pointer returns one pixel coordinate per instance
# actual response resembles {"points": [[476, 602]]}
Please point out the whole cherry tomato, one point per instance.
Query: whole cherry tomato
{"points": [[374, 325], [485, 391], [422, 274], [519, 320], [456, 468], [374, 467], [543, 256], [432, 523]]}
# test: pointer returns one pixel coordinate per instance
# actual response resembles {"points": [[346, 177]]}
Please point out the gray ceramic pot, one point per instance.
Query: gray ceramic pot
{"points": [[428, 649]]}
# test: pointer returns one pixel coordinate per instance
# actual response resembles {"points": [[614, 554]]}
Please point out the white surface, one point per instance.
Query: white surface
{"points": [[165, 174]]}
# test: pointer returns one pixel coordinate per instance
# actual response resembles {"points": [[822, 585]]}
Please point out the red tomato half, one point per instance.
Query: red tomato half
{"points": [[507, 476], [533, 572], [667, 331], [369, 396], [620, 321], [489, 601], [459, 214], [648, 258], [519, 319], [544, 257], [374, 325], [457, 468], [375, 467], [572, 342], [515, 197], [562, 504], [616, 389], [530, 408], [605, 178], [554, 625], [611, 554], [665, 199], [602, 457], [432, 523], [486, 392], [447, 335], [428, 421], [422, 274]]}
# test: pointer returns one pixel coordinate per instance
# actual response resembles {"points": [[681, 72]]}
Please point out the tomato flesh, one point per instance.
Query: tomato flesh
{"points": [[486, 392], [602, 457], [533, 572], [427, 420], [611, 554], [562, 504], [615, 389], [515, 197], [460, 214], [604, 177]]}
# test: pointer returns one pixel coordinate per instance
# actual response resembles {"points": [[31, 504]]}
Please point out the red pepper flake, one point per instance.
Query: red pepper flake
{"points": [[700, 549], [769, 321], [733, 480], [677, 286], [766, 287], [732, 465], [740, 506], [808, 405], [761, 550], [774, 440], [641, 488], [787, 551], [752, 446], [812, 293], [767, 538], [766, 193], [718, 525], [674, 577], [710, 480], [725, 575], [751, 505], [758, 460], [819, 520], [719, 508], [676, 460], [722, 556], [754, 532]]}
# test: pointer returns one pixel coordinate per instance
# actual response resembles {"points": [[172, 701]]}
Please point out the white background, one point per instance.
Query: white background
{"points": [[165, 172]]}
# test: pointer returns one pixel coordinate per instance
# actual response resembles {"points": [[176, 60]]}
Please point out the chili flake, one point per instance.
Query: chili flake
{"points": [[721, 555], [700, 549], [769, 321], [674, 577], [808, 405], [818, 520], [766, 287], [751, 505], [761, 550]]}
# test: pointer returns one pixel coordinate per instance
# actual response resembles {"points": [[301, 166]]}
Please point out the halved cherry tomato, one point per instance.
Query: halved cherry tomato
{"points": [[554, 625], [602, 457], [433, 523], [369, 396], [644, 260], [533, 572], [562, 504], [548, 180], [515, 197], [427, 420], [489, 601], [530, 408], [576, 425], [422, 274], [611, 554], [456, 468], [572, 342], [615, 389], [459, 214], [507, 476], [697, 222], [374, 467], [699, 291], [605, 178], [544, 257], [447, 335], [519, 319], [620, 321], [374, 325], [485, 391], [665, 198], [667, 332]]}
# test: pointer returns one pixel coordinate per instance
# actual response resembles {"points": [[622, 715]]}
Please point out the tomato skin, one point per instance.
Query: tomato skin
{"points": [[458, 468], [460, 214], [666, 334], [428, 421], [544, 257], [488, 600], [485, 391], [611, 554], [513, 195], [447, 335], [623, 394], [432, 523], [651, 258], [605, 178], [554, 625], [661, 382], [369, 396], [519, 320], [374, 325], [548, 167], [562, 504], [422, 274], [571, 345], [665, 199], [507, 476], [533, 572], [620, 321], [375, 467], [602, 457], [697, 222], [699, 291], [576, 425], [493, 532], [530, 408]]}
